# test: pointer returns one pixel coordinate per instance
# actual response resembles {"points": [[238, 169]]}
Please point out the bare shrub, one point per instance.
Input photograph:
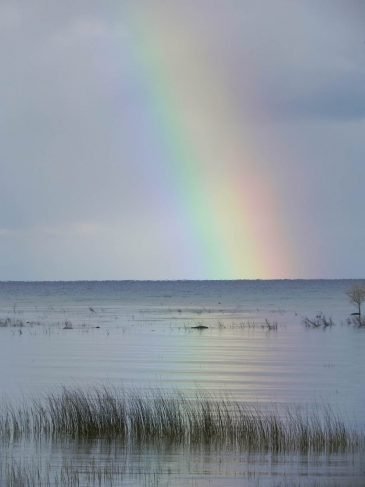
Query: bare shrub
{"points": [[357, 296]]}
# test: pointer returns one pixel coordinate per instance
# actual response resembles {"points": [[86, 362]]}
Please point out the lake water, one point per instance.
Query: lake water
{"points": [[139, 335]]}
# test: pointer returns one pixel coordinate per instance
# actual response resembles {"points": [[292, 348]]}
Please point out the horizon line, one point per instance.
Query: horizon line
{"points": [[182, 280]]}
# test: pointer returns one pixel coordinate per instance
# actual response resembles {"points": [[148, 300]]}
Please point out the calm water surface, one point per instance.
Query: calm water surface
{"points": [[138, 334]]}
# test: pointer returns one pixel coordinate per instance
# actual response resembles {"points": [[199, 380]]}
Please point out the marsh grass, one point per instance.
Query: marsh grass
{"points": [[10, 322], [266, 325], [157, 416], [356, 321], [319, 321]]}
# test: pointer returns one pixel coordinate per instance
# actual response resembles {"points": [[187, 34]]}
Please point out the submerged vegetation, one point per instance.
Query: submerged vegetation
{"points": [[159, 416]]}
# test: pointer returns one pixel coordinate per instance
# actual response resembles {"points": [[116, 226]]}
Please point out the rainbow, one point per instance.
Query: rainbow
{"points": [[210, 152]]}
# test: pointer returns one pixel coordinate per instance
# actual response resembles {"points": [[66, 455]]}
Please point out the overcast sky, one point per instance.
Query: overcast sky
{"points": [[82, 192]]}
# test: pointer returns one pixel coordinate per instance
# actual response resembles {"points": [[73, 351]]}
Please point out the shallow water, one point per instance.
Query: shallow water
{"points": [[138, 334], [179, 466]]}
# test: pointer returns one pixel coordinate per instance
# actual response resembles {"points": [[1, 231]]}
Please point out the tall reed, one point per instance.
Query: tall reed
{"points": [[159, 416]]}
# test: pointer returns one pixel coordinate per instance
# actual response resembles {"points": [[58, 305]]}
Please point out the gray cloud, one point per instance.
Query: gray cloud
{"points": [[342, 98]]}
